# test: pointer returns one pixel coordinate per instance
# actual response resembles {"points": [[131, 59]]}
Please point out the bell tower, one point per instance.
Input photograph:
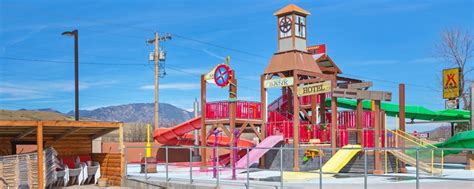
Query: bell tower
{"points": [[291, 24], [293, 67], [291, 35]]}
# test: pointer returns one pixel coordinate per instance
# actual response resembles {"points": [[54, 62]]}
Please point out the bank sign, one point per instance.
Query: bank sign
{"points": [[451, 85], [312, 89], [280, 82]]}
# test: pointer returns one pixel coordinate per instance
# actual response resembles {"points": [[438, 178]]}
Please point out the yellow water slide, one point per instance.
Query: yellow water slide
{"points": [[340, 159], [330, 168]]}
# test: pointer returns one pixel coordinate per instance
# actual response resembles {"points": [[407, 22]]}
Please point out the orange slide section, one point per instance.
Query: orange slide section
{"points": [[180, 135]]}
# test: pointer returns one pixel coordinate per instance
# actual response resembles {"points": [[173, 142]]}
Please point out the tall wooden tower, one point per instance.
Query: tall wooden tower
{"points": [[293, 67]]}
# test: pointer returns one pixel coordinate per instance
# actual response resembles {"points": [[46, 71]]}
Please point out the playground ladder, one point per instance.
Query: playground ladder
{"points": [[412, 161]]}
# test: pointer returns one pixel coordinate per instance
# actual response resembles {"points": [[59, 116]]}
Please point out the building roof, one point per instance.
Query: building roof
{"points": [[326, 64], [290, 9], [55, 130], [292, 60]]}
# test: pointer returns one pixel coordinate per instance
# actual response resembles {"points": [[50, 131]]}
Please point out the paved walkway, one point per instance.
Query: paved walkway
{"points": [[454, 177], [92, 187]]}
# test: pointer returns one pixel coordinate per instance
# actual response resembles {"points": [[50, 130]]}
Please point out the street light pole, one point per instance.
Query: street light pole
{"points": [[75, 33]]}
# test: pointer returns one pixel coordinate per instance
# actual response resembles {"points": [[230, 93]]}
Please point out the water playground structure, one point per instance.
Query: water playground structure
{"points": [[322, 127], [317, 109]]}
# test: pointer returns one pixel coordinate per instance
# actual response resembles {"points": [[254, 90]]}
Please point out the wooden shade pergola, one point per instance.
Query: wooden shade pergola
{"points": [[67, 137]]}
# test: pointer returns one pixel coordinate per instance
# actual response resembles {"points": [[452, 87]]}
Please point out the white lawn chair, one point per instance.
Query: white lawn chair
{"points": [[73, 170], [91, 169]]}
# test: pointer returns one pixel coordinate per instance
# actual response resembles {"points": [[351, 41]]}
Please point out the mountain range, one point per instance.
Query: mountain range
{"points": [[169, 115]]}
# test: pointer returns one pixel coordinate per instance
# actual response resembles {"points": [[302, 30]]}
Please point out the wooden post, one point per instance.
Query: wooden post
{"points": [[313, 109], [402, 107], [333, 118], [296, 123], [263, 100], [377, 162], [121, 150], [322, 107], [39, 144], [232, 114], [401, 120], [203, 124], [469, 161], [359, 121]]}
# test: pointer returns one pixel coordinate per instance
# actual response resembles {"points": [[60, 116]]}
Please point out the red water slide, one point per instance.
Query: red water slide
{"points": [[180, 135]]}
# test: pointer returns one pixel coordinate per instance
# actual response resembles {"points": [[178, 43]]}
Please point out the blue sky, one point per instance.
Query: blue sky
{"points": [[384, 41]]}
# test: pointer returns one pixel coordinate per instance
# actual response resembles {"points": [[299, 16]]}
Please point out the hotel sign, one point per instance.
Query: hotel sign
{"points": [[280, 82], [451, 83], [312, 89]]}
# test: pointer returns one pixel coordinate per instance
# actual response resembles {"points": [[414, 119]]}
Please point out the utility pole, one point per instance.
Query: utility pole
{"points": [[157, 56], [157, 79]]}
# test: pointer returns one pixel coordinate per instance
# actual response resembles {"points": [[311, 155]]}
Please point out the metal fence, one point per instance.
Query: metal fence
{"points": [[169, 171]]}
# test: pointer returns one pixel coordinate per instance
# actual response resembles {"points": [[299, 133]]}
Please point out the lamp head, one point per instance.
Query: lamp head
{"points": [[70, 33]]}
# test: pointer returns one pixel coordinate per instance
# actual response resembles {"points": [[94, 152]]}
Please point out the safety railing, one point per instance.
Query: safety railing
{"points": [[282, 101], [419, 143], [244, 110], [169, 171]]}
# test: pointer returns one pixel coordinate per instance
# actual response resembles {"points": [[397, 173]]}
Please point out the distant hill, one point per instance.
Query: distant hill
{"points": [[42, 110], [439, 133], [32, 115], [169, 115]]}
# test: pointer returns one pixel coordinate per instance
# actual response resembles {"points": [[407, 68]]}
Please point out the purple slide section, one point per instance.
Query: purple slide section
{"points": [[258, 152]]}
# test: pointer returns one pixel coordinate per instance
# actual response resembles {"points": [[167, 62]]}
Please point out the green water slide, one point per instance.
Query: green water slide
{"points": [[411, 111], [460, 140]]}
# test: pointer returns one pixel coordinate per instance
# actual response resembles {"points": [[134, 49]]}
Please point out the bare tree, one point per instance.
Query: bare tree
{"points": [[137, 132], [456, 49]]}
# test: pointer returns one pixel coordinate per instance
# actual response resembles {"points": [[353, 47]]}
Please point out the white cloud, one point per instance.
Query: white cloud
{"points": [[174, 86], [25, 36], [186, 71], [214, 54], [10, 91]]}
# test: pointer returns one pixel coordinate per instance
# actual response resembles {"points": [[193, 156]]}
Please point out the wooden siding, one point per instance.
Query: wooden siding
{"points": [[111, 167]]}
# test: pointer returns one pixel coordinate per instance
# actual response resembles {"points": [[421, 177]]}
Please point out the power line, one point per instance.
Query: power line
{"points": [[215, 45], [109, 64], [218, 46], [394, 82], [69, 62]]}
